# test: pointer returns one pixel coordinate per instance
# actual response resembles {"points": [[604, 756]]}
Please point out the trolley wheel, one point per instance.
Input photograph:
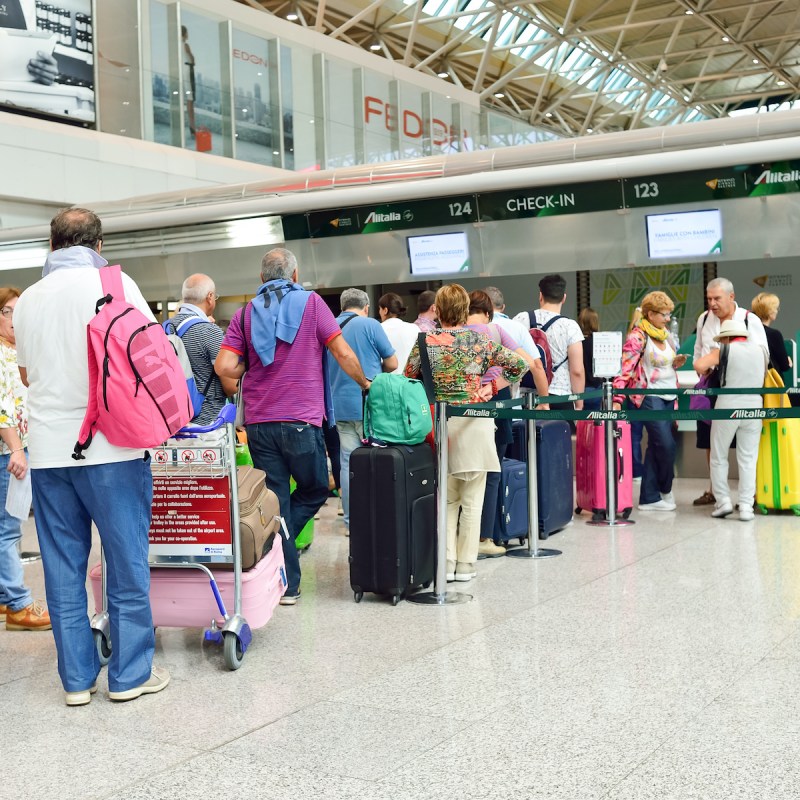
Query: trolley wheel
{"points": [[578, 509], [395, 599], [358, 596], [103, 646], [427, 584], [232, 651], [523, 540], [626, 513]]}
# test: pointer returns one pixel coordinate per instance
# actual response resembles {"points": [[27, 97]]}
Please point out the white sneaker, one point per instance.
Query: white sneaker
{"points": [[659, 505], [158, 680], [746, 514], [637, 479], [668, 498], [722, 510]]}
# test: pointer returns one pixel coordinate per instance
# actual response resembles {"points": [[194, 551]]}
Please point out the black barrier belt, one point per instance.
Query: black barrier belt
{"points": [[489, 410]]}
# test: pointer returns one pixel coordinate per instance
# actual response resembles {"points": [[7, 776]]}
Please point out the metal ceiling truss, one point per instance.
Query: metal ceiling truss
{"points": [[580, 66]]}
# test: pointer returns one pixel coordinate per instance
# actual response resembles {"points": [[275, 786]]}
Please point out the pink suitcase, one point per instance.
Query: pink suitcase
{"points": [[182, 598], [590, 468]]}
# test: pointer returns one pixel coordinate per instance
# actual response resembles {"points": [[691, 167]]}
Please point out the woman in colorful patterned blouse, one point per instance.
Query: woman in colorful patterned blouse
{"points": [[459, 358], [17, 606], [649, 360]]}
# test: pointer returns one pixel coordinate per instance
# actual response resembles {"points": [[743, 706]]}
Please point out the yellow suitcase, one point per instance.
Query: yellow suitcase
{"points": [[778, 468]]}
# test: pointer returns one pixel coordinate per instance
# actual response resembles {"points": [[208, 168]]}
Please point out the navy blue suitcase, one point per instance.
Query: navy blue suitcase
{"points": [[518, 449], [554, 461], [512, 504], [554, 474]]}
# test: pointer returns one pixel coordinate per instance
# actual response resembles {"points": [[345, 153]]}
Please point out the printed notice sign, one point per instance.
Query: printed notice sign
{"points": [[191, 517], [606, 353]]}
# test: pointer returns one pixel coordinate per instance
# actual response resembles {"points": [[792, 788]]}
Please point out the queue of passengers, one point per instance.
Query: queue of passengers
{"points": [[476, 351]]}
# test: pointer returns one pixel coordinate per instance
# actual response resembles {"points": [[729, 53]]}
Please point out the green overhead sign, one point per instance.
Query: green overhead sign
{"points": [[550, 201]]}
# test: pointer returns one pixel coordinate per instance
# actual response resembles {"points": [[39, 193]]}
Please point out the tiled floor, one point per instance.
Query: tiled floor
{"points": [[656, 661]]}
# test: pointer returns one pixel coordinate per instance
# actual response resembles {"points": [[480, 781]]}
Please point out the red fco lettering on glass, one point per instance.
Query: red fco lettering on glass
{"points": [[250, 58], [412, 124]]}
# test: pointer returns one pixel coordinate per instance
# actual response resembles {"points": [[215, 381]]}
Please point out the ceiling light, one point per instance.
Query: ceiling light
{"points": [[375, 46], [756, 61], [276, 152], [549, 114], [725, 39], [292, 17], [781, 83], [590, 130], [499, 95], [689, 12], [443, 74]]}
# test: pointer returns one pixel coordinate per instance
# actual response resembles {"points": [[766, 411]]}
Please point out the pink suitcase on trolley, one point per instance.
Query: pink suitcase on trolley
{"points": [[182, 598], [590, 468]]}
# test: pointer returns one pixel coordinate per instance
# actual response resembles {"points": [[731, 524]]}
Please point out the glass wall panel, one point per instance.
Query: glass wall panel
{"points": [[257, 134], [501, 130], [164, 83], [444, 126], [340, 125], [205, 102], [299, 116], [471, 130], [411, 121], [380, 119]]}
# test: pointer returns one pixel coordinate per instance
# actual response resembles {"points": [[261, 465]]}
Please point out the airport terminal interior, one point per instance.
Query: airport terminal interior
{"points": [[398, 146]]}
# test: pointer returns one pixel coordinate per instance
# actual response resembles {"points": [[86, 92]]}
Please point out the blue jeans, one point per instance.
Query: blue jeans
{"points": [[350, 435], [659, 460], [297, 450], [13, 591], [118, 498], [637, 431]]}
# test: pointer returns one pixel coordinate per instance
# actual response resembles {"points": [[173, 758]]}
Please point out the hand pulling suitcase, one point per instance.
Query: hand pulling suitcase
{"points": [[554, 485], [590, 468], [392, 519], [182, 598]]}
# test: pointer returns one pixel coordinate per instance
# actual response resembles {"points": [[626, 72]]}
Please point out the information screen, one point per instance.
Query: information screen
{"points": [[684, 234], [47, 58], [438, 253]]}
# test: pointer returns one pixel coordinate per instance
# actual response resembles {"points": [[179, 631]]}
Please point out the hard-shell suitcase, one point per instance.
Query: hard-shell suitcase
{"points": [[512, 505], [182, 598], [518, 449], [554, 483], [590, 468], [778, 466], [392, 519], [554, 475]]}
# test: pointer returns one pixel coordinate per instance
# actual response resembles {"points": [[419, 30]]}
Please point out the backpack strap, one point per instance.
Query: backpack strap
{"points": [[724, 350], [532, 321], [188, 323], [345, 321], [425, 368], [111, 280], [549, 322]]}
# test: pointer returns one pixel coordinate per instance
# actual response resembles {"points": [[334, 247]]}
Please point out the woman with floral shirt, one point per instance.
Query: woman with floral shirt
{"points": [[649, 360], [17, 606], [459, 357]]}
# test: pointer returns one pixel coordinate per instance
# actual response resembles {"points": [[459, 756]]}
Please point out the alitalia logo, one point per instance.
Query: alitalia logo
{"points": [[607, 415], [477, 412], [377, 216], [757, 413], [767, 176]]}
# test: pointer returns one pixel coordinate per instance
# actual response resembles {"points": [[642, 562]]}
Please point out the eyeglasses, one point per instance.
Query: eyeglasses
{"points": [[665, 314], [6, 311], [216, 296]]}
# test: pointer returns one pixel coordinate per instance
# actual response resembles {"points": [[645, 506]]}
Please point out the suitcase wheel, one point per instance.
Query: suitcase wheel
{"points": [[578, 510], [395, 599], [103, 646], [358, 596], [523, 540], [626, 513]]}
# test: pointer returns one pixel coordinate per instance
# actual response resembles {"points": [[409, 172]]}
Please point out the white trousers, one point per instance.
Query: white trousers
{"points": [[464, 494], [748, 434]]}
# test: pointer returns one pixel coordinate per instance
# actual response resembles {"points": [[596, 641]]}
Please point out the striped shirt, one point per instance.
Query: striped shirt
{"points": [[291, 388], [202, 346]]}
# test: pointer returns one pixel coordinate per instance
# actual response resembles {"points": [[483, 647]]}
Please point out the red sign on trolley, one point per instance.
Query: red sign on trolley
{"points": [[191, 516]]}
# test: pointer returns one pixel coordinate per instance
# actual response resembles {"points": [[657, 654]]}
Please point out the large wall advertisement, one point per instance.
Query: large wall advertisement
{"points": [[47, 58]]}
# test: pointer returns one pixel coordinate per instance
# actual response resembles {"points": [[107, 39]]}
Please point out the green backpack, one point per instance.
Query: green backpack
{"points": [[396, 411]]}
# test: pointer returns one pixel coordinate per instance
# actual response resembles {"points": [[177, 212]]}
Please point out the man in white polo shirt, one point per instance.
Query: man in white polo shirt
{"points": [[112, 486]]}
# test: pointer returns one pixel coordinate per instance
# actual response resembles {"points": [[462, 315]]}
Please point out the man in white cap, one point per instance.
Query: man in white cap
{"points": [[742, 364]]}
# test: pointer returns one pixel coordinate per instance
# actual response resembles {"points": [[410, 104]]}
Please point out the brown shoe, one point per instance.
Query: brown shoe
{"points": [[3, 612], [705, 499], [31, 618]]}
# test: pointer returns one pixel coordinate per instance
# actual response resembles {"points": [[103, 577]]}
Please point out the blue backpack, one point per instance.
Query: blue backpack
{"points": [[175, 335]]}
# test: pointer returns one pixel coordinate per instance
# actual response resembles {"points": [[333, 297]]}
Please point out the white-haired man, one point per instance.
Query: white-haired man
{"points": [[722, 307]]}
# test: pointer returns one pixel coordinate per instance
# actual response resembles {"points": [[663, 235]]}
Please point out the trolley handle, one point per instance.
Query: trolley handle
{"points": [[226, 416]]}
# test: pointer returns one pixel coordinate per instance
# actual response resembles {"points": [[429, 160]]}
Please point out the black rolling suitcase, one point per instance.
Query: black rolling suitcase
{"points": [[392, 519]]}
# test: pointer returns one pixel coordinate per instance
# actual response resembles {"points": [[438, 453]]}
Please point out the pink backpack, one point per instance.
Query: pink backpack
{"points": [[137, 388]]}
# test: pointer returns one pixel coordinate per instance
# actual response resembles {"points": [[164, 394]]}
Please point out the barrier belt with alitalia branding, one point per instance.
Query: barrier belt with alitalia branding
{"points": [[508, 409]]}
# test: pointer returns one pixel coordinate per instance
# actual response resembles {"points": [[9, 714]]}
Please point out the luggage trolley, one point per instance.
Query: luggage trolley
{"points": [[195, 517]]}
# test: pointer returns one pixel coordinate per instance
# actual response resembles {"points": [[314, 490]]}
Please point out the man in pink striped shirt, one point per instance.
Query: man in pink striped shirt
{"points": [[280, 340]]}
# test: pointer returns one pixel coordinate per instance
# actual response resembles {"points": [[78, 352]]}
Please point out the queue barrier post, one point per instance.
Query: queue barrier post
{"points": [[612, 469], [440, 596], [532, 550]]}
